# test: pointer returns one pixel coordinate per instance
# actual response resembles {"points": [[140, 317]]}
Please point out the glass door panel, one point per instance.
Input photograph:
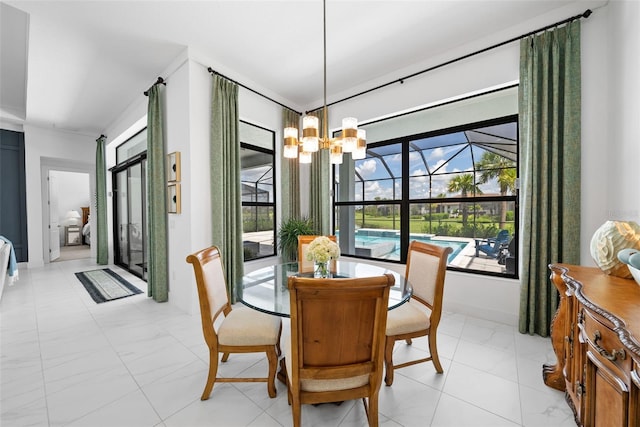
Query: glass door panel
{"points": [[122, 219], [130, 218], [136, 220]]}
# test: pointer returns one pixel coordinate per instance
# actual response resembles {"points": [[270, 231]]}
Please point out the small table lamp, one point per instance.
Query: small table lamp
{"points": [[72, 218]]}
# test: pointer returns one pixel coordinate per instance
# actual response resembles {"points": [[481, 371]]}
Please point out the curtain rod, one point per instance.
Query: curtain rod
{"points": [[212, 71], [160, 81], [401, 80]]}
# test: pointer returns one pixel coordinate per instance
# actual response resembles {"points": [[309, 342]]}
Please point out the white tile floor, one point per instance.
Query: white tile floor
{"points": [[67, 361]]}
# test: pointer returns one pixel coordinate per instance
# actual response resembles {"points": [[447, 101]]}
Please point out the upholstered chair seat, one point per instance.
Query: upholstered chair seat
{"points": [[244, 326]]}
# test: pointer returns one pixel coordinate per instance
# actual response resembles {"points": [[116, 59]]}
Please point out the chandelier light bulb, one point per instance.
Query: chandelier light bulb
{"points": [[349, 134], [290, 143], [305, 157], [310, 134], [336, 154], [290, 151]]}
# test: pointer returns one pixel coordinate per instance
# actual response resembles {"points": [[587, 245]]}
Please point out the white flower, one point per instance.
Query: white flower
{"points": [[322, 249]]}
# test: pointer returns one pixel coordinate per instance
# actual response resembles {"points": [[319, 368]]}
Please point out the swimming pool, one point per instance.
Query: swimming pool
{"points": [[385, 244]]}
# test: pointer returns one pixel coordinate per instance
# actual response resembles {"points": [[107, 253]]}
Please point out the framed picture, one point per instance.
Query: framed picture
{"points": [[173, 198], [173, 167]]}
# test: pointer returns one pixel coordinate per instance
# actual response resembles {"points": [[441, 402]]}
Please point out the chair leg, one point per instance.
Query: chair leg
{"points": [[388, 360], [213, 372], [433, 349], [225, 357], [273, 366], [373, 410], [296, 410]]}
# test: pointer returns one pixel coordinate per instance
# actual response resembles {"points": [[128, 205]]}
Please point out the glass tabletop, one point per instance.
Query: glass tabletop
{"points": [[266, 289]]}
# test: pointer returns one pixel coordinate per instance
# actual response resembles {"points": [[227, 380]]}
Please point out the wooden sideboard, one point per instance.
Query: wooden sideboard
{"points": [[596, 338]]}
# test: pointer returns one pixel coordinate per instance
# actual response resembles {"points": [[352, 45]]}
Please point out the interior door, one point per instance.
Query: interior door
{"points": [[54, 226]]}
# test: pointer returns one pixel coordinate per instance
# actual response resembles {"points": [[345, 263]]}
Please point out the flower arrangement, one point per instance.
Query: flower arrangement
{"points": [[322, 249]]}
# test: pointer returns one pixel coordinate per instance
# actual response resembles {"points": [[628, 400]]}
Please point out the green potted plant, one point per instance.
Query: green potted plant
{"points": [[288, 236]]}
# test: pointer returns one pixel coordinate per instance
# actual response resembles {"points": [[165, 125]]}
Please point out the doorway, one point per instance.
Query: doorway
{"points": [[69, 215], [71, 192], [129, 213]]}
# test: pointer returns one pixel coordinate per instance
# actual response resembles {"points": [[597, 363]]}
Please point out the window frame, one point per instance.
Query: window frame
{"points": [[257, 204], [405, 201]]}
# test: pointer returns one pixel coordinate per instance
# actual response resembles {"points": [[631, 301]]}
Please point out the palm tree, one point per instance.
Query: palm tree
{"points": [[492, 166], [464, 184]]}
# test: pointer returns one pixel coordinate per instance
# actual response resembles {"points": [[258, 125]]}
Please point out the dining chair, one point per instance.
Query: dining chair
{"points": [[336, 348], [231, 330], [305, 265], [420, 316]]}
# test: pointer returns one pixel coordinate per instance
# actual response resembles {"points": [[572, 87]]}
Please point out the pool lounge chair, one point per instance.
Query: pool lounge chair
{"points": [[491, 247]]}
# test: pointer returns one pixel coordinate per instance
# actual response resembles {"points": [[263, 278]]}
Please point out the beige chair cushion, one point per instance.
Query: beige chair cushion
{"points": [[409, 317], [322, 385], [244, 326]]}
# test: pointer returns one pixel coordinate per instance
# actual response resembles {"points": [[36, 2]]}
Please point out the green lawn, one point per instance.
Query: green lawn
{"points": [[484, 227]]}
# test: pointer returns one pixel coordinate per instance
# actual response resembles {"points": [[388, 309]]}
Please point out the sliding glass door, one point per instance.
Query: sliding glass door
{"points": [[130, 236]]}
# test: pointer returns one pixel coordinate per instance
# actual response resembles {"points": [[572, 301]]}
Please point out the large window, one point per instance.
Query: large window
{"points": [[453, 187], [257, 159]]}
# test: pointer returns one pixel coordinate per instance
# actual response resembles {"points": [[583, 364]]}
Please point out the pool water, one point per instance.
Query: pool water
{"points": [[389, 243]]}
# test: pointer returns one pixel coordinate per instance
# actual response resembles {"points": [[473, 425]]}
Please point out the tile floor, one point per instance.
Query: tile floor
{"points": [[67, 361]]}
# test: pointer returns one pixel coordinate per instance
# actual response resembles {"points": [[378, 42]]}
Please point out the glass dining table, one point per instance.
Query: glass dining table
{"points": [[266, 289]]}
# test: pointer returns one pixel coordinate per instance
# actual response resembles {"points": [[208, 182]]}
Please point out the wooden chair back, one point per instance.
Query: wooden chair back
{"points": [[212, 289], [337, 340], [305, 265], [426, 269]]}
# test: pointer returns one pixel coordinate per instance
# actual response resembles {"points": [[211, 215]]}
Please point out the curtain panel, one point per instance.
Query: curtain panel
{"points": [[102, 244], [549, 106], [226, 194], [290, 174], [319, 202], [157, 279]]}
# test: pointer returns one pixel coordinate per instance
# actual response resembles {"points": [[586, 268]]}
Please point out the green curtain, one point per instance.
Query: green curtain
{"points": [[157, 280], [319, 203], [290, 175], [102, 244], [226, 195], [549, 106]]}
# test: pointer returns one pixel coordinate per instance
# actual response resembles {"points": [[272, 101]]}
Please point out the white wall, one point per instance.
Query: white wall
{"points": [[623, 112], [49, 149]]}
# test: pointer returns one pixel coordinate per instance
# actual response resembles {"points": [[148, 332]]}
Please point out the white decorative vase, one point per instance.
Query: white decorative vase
{"points": [[611, 238]]}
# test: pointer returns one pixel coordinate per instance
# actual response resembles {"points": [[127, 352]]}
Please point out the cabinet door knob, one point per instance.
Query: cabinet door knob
{"points": [[609, 356]]}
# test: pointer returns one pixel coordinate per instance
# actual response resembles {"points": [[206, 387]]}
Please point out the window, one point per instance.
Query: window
{"points": [[132, 147], [257, 157], [454, 187]]}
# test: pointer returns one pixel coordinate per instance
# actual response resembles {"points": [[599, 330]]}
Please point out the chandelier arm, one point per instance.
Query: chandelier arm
{"points": [[325, 124], [315, 139]]}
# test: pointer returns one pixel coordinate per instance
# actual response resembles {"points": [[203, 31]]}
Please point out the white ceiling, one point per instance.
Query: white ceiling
{"points": [[87, 61]]}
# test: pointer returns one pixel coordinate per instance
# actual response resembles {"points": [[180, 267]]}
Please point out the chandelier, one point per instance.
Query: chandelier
{"points": [[352, 140]]}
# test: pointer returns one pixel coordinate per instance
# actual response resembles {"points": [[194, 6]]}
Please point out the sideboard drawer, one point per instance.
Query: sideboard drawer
{"points": [[604, 342]]}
